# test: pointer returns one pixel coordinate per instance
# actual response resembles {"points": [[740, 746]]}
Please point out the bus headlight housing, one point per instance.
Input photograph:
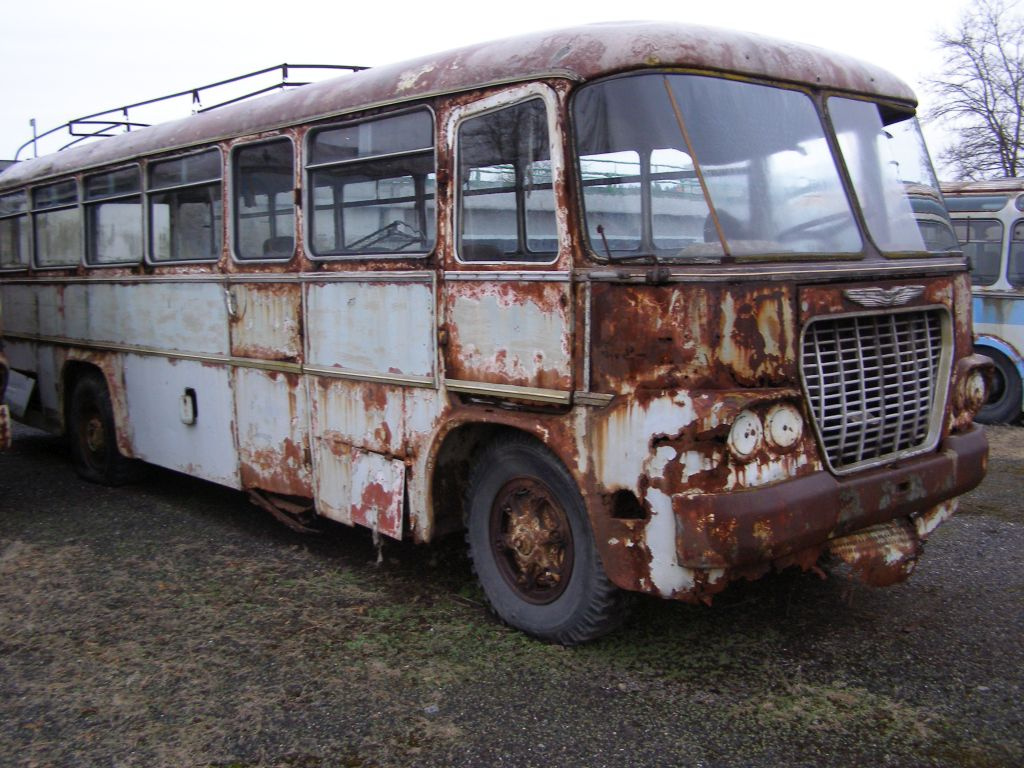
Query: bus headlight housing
{"points": [[746, 436], [975, 390], [784, 426]]}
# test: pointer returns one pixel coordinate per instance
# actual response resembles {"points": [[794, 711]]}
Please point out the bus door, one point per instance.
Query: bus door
{"points": [[508, 303], [271, 412]]}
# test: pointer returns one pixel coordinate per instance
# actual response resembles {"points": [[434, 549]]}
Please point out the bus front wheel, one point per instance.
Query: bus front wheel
{"points": [[532, 547], [1004, 399], [93, 439]]}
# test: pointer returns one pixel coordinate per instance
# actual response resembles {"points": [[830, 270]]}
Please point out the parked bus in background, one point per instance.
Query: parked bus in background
{"points": [[640, 307], [989, 220]]}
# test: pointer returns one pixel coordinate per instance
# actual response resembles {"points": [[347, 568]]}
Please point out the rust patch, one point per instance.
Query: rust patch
{"points": [[687, 336], [879, 556]]}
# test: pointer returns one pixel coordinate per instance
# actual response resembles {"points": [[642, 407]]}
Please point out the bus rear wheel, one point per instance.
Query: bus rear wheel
{"points": [[1004, 399], [532, 547], [93, 437]]}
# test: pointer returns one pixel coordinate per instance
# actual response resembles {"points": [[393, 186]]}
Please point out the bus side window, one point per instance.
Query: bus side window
{"points": [[184, 200], [114, 217], [264, 200], [1015, 268], [982, 240], [14, 231], [506, 203], [372, 187], [57, 225]]}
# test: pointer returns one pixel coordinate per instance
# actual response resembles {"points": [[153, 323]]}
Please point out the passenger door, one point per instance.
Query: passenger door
{"points": [[507, 293]]}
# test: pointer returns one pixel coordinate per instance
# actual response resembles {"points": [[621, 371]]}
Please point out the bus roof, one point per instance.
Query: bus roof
{"points": [[578, 53]]}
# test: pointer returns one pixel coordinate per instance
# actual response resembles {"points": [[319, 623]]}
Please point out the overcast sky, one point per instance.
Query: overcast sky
{"points": [[65, 58]]}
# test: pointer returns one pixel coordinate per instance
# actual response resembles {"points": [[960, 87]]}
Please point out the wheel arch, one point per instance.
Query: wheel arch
{"points": [[453, 462], [986, 341], [108, 367]]}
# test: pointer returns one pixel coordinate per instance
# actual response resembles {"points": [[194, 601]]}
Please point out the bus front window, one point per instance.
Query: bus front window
{"points": [[697, 167], [892, 176]]}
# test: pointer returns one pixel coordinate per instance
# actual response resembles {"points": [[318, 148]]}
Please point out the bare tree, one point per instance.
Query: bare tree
{"points": [[981, 92]]}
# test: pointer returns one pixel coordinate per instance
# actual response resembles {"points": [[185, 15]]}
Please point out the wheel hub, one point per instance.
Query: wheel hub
{"points": [[532, 540]]}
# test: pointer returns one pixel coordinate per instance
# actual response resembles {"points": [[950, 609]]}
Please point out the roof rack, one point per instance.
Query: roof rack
{"points": [[111, 122]]}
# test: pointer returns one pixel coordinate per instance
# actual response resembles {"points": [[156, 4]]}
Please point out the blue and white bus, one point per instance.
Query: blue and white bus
{"points": [[989, 220]]}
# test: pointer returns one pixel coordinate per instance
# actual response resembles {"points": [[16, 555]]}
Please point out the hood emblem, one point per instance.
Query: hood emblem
{"points": [[883, 297]]}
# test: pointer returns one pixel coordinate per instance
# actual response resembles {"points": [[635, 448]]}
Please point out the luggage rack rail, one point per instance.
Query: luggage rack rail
{"points": [[111, 122]]}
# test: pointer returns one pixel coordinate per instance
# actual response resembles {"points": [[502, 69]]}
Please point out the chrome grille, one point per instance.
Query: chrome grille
{"points": [[871, 383]]}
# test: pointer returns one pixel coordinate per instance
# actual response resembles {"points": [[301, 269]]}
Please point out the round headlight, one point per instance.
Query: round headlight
{"points": [[784, 426], [746, 436], [975, 390]]}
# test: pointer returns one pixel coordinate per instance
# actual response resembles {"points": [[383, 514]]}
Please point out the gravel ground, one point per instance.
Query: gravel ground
{"points": [[172, 624]]}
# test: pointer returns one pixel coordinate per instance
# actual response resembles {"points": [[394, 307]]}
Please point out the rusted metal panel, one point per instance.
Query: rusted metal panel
{"points": [[376, 328], [272, 415], [266, 321], [887, 295], [510, 332], [881, 555], [692, 336], [359, 487]]}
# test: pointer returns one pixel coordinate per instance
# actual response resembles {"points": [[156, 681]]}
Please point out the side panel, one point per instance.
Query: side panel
{"points": [[154, 389], [372, 327], [266, 321], [358, 487], [272, 413], [509, 331], [370, 358]]}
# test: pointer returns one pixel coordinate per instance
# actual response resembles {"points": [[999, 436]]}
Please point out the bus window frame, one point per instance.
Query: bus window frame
{"points": [[1005, 235], [86, 203], [148, 190], [26, 213], [308, 191], [230, 209], [495, 102], [1008, 253], [35, 211]]}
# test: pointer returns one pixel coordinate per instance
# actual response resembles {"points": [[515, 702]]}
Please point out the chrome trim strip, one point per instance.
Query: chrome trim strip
{"points": [[378, 378], [503, 276], [595, 399], [509, 392]]}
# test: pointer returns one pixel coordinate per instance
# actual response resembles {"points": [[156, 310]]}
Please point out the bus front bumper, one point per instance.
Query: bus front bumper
{"points": [[873, 519]]}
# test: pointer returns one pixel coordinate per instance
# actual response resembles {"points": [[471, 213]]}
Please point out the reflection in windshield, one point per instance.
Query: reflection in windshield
{"points": [[649, 147], [892, 176]]}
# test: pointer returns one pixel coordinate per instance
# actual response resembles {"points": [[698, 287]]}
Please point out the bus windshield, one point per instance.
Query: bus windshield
{"points": [[697, 167], [892, 176]]}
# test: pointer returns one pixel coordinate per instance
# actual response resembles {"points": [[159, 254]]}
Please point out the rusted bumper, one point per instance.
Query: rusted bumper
{"points": [[738, 529]]}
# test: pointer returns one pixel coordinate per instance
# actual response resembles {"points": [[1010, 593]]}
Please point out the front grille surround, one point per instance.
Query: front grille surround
{"points": [[876, 383]]}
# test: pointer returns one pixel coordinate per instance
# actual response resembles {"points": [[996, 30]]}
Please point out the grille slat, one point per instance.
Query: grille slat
{"points": [[871, 382]]}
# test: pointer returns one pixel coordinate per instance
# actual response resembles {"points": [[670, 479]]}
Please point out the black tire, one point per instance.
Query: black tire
{"points": [[1004, 398], [532, 547], [90, 427]]}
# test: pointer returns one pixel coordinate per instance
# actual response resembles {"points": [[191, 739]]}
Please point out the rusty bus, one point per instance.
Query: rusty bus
{"points": [[639, 307]]}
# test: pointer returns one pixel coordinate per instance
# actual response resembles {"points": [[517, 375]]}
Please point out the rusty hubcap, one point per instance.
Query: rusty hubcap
{"points": [[531, 540], [95, 439]]}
